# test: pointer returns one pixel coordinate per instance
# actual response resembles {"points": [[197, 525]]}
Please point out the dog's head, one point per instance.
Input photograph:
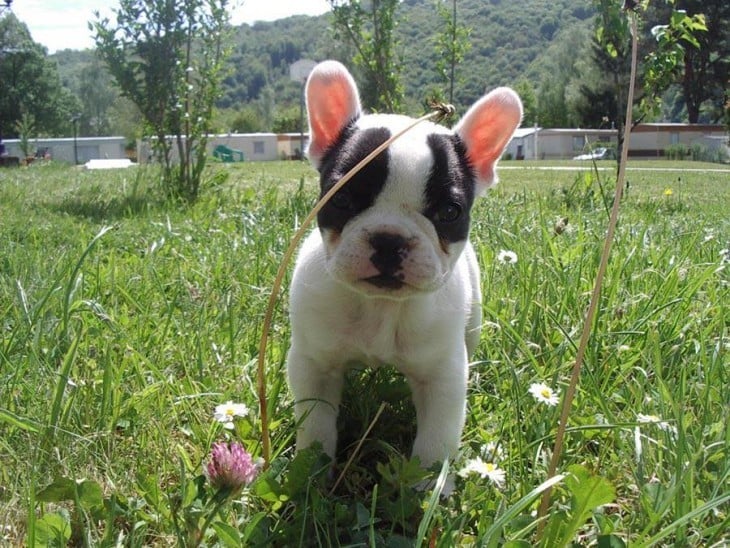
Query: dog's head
{"points": [[398, 227]]}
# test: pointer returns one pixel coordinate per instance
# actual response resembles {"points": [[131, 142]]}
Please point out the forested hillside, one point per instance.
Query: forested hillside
{"points": [[541, 47], [507, 40]]}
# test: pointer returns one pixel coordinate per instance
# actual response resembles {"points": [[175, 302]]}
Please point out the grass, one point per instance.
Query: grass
{"points": [[126, 319]]}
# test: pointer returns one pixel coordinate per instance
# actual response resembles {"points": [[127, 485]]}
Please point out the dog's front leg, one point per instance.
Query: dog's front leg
{"points": [[317, 392], [440, 402]]}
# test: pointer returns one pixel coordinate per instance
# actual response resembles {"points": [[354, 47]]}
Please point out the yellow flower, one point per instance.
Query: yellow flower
{"points": [[668, 192]]}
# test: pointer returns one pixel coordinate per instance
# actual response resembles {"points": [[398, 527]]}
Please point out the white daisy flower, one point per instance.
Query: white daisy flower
{"points": [[543, 393], [226, 412], [493, 451], [485, 470], [654, 419], [507, 257]]}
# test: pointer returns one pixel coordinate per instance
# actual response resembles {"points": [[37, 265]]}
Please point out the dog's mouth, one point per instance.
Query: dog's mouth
{"points": [[386, 281]]}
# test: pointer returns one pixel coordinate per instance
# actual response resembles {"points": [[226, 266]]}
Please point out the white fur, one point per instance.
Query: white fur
{"points": [[423, 335], [429, 327]]}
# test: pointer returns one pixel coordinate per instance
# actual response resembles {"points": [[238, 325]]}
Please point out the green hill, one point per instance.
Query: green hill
{"points": [[508, 43]]}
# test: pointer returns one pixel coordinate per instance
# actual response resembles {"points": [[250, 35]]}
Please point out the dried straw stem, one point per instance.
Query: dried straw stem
{"points": [[439, 112], [596, 294]]}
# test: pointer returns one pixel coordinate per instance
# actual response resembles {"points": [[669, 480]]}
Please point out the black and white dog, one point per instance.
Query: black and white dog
{"points": [[390, 276]]}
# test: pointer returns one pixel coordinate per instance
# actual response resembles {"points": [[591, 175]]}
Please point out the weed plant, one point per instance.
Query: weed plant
{"points": [[126, 319]]}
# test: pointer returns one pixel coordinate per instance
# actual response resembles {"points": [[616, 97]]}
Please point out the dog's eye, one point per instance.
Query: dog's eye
{"points": [[341, 200], [448, 213]]}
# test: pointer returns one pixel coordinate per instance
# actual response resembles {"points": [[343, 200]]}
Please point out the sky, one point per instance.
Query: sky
{"points": [[62, 24]]}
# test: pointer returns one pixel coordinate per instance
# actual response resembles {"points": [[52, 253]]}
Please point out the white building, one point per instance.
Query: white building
{"points": [[652, 140], [255, 147], [290, 145], [536, 143], [68, 149], [646, 141]]}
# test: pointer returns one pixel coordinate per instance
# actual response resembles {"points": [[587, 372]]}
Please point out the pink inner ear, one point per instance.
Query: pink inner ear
{"points": [[332, 101], [487, 128]]}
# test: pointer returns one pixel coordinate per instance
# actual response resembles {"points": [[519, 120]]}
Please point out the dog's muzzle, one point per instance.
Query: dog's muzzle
{"points": [[389, 251]]}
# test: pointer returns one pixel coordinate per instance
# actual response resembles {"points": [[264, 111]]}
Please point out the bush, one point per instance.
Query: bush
{"points": [[675, 152], [697, 152]]}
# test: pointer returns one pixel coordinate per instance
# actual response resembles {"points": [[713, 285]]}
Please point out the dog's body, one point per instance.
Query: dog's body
{"points": [[390, 276]]}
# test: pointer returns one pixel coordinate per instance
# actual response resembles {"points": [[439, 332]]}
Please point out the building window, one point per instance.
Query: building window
{"points": [[674, 138], [579, 142], [258, 147]]}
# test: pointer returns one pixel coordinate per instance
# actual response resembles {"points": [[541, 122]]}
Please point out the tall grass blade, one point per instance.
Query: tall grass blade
{"points": [[495, 530], [683, 520], [433, 502]]}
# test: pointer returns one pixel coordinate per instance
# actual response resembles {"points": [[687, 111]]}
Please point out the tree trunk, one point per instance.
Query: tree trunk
{"points": [[691, 99]]}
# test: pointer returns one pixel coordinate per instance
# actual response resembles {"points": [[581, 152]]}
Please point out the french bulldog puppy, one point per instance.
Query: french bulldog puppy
{"points": [[389, 276]]}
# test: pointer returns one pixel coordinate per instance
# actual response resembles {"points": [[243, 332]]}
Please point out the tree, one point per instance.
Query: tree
{"points": [[267, 107], [558, 72], [610, 51], [597, 95], [370, 28], [97, 97], [167, 56], [529, 102], [452, 43], [703, 72], [125, 119], [29, 84], [246, 120]]}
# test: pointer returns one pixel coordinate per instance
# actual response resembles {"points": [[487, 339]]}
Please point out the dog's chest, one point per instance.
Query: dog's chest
{"points": [[377, 331]]}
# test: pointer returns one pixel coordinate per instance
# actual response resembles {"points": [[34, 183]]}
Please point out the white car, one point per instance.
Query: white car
{"points": [[600, 153]]}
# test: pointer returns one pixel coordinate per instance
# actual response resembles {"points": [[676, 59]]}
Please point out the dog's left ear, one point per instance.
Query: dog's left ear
{"points": [[332, 102], [486, 129]]}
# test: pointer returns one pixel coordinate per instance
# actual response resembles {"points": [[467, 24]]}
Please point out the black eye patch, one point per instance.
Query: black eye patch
{"points": [[449, 192], [362, 190]]}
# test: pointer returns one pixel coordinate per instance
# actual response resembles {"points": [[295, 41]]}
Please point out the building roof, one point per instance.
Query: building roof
{"points": [[525, 132], [79, 140], [577, 131], [676, 126]]}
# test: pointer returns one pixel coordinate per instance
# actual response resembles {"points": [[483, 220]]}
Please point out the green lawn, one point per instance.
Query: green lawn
{"points": [[125, 319]]}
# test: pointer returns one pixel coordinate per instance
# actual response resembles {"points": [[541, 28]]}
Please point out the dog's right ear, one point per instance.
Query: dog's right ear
{"points": [[332, 103]]}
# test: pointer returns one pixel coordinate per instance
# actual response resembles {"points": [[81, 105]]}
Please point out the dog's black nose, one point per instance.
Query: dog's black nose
{"points": [[389, 251]]}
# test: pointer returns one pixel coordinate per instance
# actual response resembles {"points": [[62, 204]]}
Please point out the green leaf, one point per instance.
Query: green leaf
{"points": [[90, 494], [252, 525], [269, 489], [189, 493], [588, 492], [52, 530], [150, 489], [61, 489], [305, 467], [610, 541], [228, 535], [362, 516]]}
